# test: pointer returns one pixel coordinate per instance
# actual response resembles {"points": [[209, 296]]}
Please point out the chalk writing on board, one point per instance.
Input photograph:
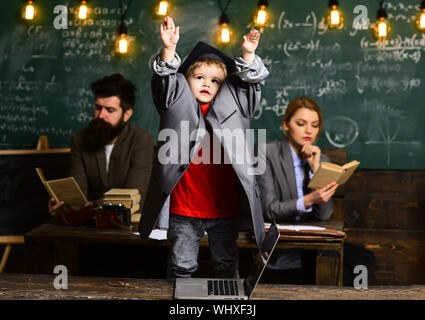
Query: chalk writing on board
{"points": [[278, 108], [80, 103], [394, 55], [399, 6], [30, 86], [341, 131], [21, 108], [46, 74], [375, 68], [16, 118], [396, 42], [329, 67], [332, 86], [310, 23], [408, 12], [385, 126], [396, 12], [289, 47], [387, 85], [35, 130]]}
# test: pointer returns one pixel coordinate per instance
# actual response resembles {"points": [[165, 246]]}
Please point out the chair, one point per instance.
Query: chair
{"points": [[8, 241], [329, 249]]}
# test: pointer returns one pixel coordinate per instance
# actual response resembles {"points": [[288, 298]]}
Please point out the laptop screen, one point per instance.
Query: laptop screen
{"points": [[260, 262]]}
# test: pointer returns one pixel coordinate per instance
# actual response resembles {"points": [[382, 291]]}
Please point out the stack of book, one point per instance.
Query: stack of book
{"points": [[130, 198]]}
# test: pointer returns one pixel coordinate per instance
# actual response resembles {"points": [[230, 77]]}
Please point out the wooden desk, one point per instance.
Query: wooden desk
{"points": [[67, 241], [28, 286]]}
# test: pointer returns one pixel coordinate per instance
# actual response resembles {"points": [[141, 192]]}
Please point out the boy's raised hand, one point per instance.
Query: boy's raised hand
{"points": [[169, 33], [170, 37], [249, 45]]}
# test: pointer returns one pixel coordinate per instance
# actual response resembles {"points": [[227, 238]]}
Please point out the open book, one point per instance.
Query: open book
{"points": [[66, 190], [329, 172]]}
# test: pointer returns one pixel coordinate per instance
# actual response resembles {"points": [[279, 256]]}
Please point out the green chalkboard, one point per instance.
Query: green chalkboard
{"points": [[372, 98]]}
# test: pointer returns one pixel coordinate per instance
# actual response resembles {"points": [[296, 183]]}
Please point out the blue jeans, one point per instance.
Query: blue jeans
{"points": [[185, 234]]}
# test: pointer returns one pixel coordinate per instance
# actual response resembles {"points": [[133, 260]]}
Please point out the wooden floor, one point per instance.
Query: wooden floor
{"points": [[40, 287]]}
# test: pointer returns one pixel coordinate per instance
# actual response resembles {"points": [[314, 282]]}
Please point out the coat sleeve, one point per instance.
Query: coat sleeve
{"points": [[273, 208], [167, 85], [245, 84], [78, 170], [254, 72], [139, 173]]}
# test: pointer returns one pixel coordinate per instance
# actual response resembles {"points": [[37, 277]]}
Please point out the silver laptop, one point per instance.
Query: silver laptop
{"points": [[229, 289]]}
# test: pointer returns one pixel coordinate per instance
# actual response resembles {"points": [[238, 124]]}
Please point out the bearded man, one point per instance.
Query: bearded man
{"points": [[111, 152]]}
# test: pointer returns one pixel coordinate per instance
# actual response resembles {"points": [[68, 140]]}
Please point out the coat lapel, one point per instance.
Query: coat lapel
{"points": [[288, 165], [222, 110]]}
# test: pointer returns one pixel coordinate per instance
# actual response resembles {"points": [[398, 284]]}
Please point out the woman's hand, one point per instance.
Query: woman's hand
{"points": [[312, 154], [321, 195], [54, 207], [249, 45]]}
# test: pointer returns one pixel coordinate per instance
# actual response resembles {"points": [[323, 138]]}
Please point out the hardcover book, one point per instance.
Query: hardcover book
{"points": [[329, 172], [65, 189]]}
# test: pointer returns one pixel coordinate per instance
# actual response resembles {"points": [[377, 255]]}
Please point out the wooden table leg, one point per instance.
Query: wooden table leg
{"points": [[5, 257], [67, 254], [341, 266], [329, 267]]}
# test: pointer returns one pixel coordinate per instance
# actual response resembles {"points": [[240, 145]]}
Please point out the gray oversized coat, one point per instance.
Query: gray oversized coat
{"points": [[232, 108]]}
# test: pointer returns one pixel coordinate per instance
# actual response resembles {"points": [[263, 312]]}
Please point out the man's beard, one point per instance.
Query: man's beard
{"points": [[99, 133]]}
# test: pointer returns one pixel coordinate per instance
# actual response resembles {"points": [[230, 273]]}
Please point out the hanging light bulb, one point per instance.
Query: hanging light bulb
{"points": [[382, 28], [122, 43], [224, 33], [335, 17], [261, 16], [83, 10], [29, 11], [420, 20], [162, 8]]}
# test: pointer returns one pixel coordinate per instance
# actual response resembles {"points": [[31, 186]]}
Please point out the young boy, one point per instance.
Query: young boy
{"points": [[201, 95]]}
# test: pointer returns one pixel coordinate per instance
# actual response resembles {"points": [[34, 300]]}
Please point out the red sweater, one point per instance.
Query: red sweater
{"points": [[207, 190]]}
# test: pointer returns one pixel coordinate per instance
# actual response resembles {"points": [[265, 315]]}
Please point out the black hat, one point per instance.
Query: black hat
{"points": [[203, 49]]}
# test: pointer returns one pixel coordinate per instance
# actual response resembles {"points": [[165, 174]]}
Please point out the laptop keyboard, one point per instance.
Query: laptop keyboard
{"points": [[223, 287]]}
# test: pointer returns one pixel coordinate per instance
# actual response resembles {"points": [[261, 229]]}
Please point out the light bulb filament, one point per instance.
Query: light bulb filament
{"points": [[262, 15], [82, 12], [335, 17], [225, 34], [382, 29], [29, 11], [122, 44], [162, 8]]}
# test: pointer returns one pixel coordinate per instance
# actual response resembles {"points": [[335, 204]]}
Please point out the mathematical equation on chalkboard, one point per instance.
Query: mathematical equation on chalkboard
{"points": [[31, 98], [346, 73], [46, 73]]}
